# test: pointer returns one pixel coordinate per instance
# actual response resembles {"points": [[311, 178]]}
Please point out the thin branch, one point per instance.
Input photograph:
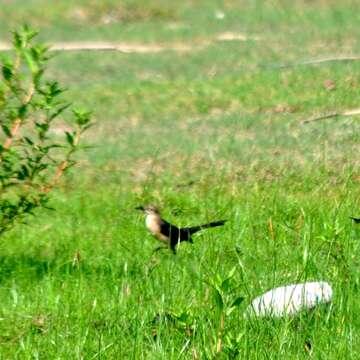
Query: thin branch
{"points": [[17, 122], [14, 129], [350, 112], [61, 168]]}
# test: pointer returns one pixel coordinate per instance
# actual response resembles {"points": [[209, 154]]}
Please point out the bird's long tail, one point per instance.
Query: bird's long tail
{"points": [[194, 229]]}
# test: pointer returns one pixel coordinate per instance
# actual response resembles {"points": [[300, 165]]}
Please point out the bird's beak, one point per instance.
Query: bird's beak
{"points": [[140, 208]]}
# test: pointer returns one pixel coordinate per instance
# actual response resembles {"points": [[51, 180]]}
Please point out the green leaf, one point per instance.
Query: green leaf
{"points": [[218, 299], [231, 272], [82, 117], [28, 140], [52, 146], [87, 126], [69, 138], [183, 317], [238, 301], [32, 63], [40, 53], [59, 111], [22, 111], [226, 285], [37, 78], [7, 71], [54, 89], [6, 130], [234, 305], [22, 38], [23, 173], [17, 40], [41, 125]]}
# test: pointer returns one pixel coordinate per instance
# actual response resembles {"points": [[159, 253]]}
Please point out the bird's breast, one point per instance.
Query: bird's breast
{"points": [[153, 223]]}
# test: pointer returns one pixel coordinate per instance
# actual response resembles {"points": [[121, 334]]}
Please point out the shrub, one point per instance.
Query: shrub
{"points": [[32, 159]]}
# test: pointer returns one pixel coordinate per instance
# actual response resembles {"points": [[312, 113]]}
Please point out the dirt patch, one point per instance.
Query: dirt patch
{"points": [[231, 36], [138, 47], [122, 47]]}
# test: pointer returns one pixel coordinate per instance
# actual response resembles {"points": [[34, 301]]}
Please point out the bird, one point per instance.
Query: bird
{"points": [[168, 233], [356, 220]]}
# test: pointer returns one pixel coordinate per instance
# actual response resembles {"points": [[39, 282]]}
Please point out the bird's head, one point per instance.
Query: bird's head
{"points": [[148, 209]]}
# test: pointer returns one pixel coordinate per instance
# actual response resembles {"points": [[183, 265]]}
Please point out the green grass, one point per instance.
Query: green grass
{"points": [[211, 134]]}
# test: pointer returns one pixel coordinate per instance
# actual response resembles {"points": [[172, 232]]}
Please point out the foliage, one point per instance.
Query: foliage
{"points": [[226, 301], [31, 160]]}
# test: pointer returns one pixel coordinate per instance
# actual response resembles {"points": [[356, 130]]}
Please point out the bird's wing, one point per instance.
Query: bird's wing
{"points": [[165, 228], [168, 229]]}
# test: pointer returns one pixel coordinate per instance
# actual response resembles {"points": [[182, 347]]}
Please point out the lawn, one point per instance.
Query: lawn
{"points": [[213, 132]]}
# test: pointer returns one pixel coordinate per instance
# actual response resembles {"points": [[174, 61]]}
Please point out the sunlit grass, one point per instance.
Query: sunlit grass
{"points": [[212, 134]]}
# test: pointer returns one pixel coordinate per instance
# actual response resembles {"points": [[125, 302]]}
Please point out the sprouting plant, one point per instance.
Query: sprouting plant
{"points": [[226, 301], [183, 321]]}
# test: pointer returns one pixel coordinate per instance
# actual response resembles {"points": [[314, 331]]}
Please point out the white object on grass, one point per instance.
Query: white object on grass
{"points": [[291, 299]]}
